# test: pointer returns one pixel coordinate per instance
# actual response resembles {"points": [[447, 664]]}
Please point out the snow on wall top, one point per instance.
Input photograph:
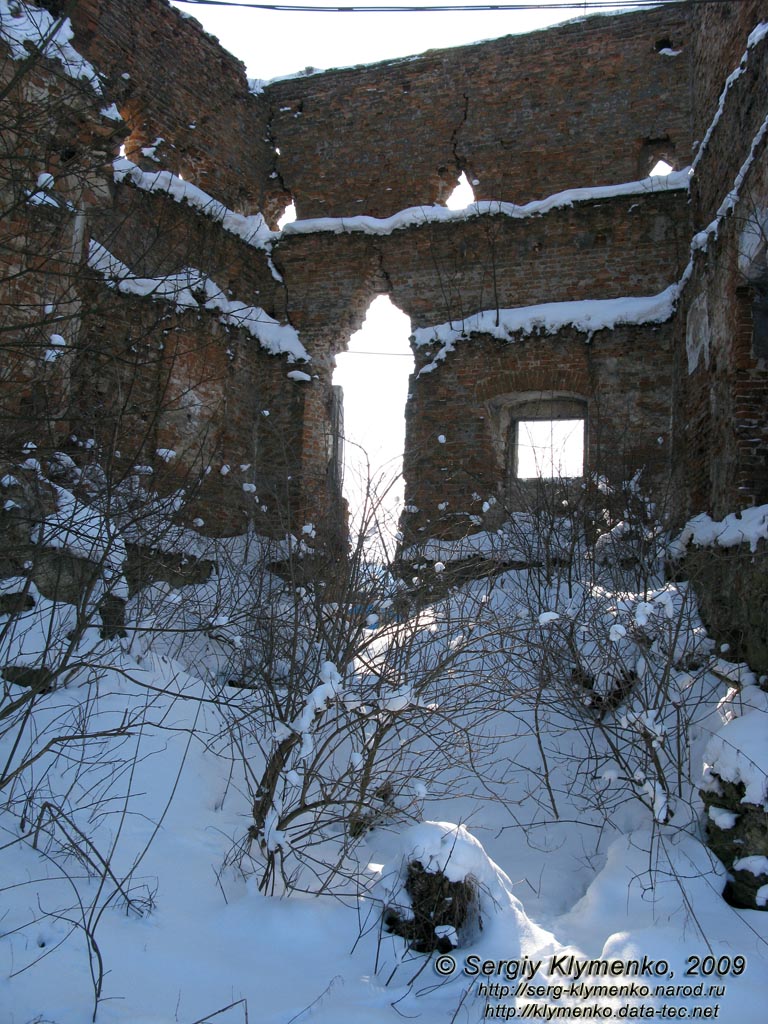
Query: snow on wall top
{"points": [[191, 289], [24, 28], [757, 35], [586, 315], [252, 229], [415, 216]]}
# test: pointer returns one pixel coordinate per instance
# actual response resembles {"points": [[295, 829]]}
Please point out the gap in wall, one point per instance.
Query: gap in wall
{"points": [[549, 449], [373, 374], [462, 196], [288, 216]]}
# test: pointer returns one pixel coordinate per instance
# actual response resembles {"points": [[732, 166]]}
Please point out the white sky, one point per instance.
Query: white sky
{"points": [[272, 44], [275, 43]]}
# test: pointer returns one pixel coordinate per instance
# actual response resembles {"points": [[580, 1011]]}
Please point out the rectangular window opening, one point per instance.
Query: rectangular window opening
{"points": [[549, 449]]}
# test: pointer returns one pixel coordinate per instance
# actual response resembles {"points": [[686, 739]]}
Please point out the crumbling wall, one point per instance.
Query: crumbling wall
{"points": [[585, 105], [721, 427], [198, 411], [445, 272], [173, 82], [56, 144], [592, 102], [172, 355], [458, 468]]}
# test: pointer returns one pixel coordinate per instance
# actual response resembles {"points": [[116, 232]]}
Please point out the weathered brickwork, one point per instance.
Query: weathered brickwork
{"points": [[171, 81], [591, 103], [55, 147], [721, 423], [447, 271], [152, 381], [587, 103], [438, 273], [456, 466]]}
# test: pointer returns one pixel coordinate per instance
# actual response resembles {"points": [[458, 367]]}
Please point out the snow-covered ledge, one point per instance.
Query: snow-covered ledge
{"points": [[191, 289], [414, 216], [252, 229], [585, 315], [749, 526]]}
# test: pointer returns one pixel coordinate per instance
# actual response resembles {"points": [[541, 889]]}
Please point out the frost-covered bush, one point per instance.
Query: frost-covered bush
{"points": [[351, 728]]}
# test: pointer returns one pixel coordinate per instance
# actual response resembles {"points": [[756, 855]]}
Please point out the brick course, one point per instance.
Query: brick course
{"points": [[588, 103]]}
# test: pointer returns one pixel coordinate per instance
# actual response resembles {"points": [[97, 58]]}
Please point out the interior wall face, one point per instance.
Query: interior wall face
{"points": [[588, 104], [591, 102], [182, 95], [458, 466], [721, 397]]}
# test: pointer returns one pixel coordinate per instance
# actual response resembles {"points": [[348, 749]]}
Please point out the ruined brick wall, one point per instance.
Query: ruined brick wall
{"points": [[600, 248], [195, 404], [591, 102], [718, 39], [160, 373], [172, 81], [721, 407], [55, 148], [457, 465], [437, 271]]}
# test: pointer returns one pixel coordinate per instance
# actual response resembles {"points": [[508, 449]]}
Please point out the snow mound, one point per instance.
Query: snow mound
{"points": [[739, 753], [450, 849], [648, 881], [746, 527]]}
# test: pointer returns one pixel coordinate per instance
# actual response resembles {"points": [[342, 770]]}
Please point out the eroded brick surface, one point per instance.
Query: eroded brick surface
{"points": [[589, 103]]}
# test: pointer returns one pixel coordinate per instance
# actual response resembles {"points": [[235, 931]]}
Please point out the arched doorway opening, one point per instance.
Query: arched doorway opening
{"points": [[373, 374]]}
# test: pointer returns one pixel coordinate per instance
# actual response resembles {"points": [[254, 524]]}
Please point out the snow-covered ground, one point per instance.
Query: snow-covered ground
{"points": [[130, 888]]}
